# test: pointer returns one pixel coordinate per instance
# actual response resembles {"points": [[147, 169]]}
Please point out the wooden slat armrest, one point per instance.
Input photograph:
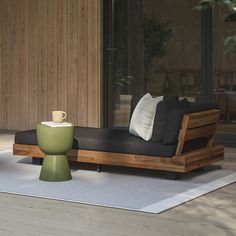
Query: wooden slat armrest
{"points": [[198, 125], [200, 132], [203, 118]]}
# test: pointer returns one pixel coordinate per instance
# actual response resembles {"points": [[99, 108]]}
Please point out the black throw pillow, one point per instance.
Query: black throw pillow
{"points": [[161, 116], [170, 100], [162, 112], [182, 103]]}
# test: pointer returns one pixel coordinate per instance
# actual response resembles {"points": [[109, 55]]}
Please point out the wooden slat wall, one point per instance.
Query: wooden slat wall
{"points": [[0, 64], [93, 59], [50, 54], [73, 59], [83, 61], [14, 60], [5, 63], [62, 54], [24, 66], [43, 60], [33, 91]]}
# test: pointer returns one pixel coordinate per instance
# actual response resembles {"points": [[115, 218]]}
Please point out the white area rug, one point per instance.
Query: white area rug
{"points": [[125, 189]]}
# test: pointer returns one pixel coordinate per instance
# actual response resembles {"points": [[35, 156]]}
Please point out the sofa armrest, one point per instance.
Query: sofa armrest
{"points": [[196, 126], [175, 118]]}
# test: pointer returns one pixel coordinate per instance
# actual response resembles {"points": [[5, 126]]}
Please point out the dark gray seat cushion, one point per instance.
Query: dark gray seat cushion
{"points": [[120, 141], [107, 140], [26, 137]]}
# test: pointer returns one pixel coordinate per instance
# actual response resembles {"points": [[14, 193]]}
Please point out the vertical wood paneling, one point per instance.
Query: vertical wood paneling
{"points": [[14, 102], [62, 54], [52, 56], [5, 64], [43, 69], [23, 73], [72, 61], [94, 63], [0, 64], [83, 63], [33, 62], [49, 59]]}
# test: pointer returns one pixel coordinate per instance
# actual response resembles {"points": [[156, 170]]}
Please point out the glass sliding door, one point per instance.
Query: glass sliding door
{"points": [[225, 69], [151, 46]]}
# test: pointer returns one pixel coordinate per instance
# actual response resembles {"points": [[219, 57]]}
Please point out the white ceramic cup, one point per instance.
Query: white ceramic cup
{"points": [[58, 116]]}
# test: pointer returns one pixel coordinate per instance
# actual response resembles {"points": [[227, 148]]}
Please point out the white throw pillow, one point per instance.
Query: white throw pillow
{"points": [[142, 119]]}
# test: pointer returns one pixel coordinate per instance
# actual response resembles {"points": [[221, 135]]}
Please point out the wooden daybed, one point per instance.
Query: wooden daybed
{"points": [[194, 126]]}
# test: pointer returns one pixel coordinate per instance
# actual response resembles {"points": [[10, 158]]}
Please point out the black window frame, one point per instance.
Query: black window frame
{"points": [[207, 66]]}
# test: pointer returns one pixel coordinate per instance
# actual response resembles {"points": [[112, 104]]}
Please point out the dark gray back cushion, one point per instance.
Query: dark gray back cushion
{"points": [[175, 118], [166, 129], [161, 116], [162, 111]]}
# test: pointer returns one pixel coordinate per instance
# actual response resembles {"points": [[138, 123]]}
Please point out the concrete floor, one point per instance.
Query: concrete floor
{"points": [[212, 214]]}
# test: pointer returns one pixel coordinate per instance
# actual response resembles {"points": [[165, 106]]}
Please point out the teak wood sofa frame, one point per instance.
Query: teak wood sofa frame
{"points": [[194, 126]]}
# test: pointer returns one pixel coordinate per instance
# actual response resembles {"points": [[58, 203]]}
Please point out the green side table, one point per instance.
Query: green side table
{"points": [[55, 142]]}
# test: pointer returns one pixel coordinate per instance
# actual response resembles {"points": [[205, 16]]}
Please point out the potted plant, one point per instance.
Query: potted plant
{"points": [[157, 33], [121, 80]]}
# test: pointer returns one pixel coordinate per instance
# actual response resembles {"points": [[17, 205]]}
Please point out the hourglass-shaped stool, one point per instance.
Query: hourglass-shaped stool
{"points": [[55, 142]]}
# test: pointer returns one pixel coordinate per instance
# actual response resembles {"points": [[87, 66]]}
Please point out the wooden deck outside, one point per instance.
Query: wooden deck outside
{"points": [[212, 214]]}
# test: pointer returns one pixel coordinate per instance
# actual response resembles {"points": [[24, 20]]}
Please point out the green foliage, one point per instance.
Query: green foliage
{"points": [[121, 79], [230, 41], [204, 4], [230, 45], [156, 36]]}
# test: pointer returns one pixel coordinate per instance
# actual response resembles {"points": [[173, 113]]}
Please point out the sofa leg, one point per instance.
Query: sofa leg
{"points": [[99, 167], [172, 175], [37, 161]]}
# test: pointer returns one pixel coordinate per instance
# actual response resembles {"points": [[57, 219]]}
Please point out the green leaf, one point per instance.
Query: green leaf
{"points": [[198, 8], [204, 4], [227, 40], [207, 1], [230, 45]]}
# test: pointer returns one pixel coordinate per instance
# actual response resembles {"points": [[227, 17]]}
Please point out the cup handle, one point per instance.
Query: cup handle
{"points": [[64, 115]]}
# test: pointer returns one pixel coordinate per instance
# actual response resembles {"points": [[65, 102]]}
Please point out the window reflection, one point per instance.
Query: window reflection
{"points": [[224, 71], [158, 46]]}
